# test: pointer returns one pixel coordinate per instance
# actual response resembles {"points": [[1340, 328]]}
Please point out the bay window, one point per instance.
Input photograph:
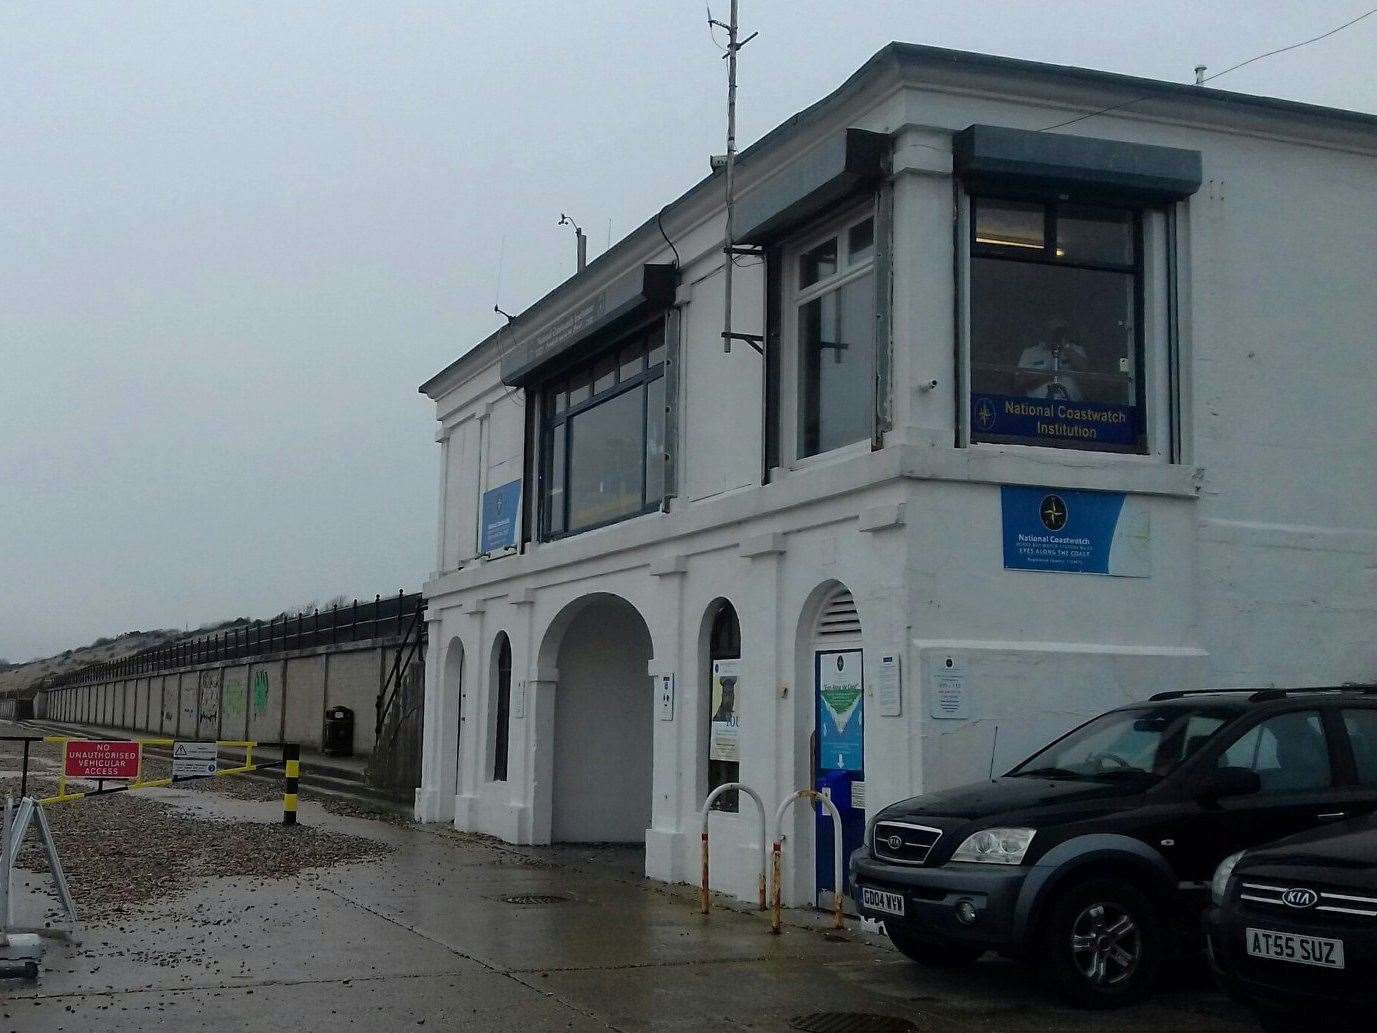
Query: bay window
{"points": [[1056, 325], [602, 437]]}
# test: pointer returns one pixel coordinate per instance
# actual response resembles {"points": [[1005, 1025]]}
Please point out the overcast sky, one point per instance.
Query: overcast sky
{"points": [[234, 238]]}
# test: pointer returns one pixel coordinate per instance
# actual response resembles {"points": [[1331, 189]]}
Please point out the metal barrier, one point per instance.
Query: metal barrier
{"points": [[707, 809], [777, 866], [290, 762]]}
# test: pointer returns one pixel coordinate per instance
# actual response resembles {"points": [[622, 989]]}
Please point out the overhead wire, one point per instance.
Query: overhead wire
{"points": [[1210, 78]]}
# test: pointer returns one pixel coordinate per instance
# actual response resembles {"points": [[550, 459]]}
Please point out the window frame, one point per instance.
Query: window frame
{"points": [[1330, 728], [651, 335], [1154, 387], [722, 609], [502, 707], [793, 298]]}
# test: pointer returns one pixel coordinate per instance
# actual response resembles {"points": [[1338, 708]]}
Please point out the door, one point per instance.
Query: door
{"points": [[1293, 756], [838, 757]]}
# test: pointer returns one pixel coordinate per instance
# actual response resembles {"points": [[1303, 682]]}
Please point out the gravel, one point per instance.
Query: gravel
{"points": [[123, 851]]}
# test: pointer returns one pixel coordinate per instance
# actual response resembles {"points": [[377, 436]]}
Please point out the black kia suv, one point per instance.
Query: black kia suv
{"points": [[1094, 856], [1294, 928]]}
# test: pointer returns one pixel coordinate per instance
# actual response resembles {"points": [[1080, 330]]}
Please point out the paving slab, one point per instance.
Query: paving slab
{"points": [[420, 934]]}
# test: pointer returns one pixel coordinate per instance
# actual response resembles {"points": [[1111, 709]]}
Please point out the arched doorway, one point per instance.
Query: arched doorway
{"points": [[603, 724], [838, 740], [451, 732]]}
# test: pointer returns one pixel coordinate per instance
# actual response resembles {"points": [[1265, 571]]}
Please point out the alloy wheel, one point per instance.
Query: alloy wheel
{"points": [[1106, 944]]}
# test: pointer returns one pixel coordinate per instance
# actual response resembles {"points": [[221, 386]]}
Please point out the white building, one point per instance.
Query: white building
{"points": [[1053, 412]]}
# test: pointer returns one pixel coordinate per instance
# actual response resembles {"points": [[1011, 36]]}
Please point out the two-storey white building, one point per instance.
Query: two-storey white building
{"points": [[1047, 412]]}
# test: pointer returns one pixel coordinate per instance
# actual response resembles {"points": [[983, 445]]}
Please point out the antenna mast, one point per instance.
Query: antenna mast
{"points": [[580, 239], [729, 248]]}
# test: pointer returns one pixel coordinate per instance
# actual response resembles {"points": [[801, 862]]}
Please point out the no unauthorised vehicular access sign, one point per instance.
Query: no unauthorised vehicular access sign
{"points": [[97, 759]]}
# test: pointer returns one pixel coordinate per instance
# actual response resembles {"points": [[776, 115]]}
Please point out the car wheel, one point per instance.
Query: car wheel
{"points": [[934, 953], [1101, 944]]}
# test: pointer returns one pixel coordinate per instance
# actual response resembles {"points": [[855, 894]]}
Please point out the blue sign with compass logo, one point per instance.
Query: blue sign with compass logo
{"points": [[1080, 532]]}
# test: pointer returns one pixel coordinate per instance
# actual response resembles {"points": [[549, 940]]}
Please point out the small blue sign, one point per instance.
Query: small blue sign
{"points": [[501, 509], [1081, 532], [1053, 421]]}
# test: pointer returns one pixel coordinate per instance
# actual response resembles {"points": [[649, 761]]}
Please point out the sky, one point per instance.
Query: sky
{"points": [[235, 238]]}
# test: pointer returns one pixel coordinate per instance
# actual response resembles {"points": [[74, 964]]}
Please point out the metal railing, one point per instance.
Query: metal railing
{"points": [[388, 617]]}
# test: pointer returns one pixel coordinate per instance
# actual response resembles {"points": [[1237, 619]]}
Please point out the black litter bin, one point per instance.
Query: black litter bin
{"points": [[338, 740]]}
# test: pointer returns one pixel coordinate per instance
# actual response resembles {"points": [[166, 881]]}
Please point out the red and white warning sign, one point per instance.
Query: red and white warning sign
{"points": [[100, 759]]}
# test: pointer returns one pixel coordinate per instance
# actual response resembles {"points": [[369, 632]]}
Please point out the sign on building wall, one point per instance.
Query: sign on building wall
{"points": [[1080, 532], [501, 508], [841, 686], [889, 687], [724, 739], [947, 699]]}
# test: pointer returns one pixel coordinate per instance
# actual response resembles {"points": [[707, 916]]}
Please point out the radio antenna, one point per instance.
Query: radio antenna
{"points": [[993, 743], [728, 162]]}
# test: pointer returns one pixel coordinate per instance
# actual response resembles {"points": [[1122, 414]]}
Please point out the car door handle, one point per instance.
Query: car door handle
{"points": [[1332, 815]]}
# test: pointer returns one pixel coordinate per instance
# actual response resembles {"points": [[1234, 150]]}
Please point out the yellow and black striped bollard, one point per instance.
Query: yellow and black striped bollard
{"points": [[291, 758]]}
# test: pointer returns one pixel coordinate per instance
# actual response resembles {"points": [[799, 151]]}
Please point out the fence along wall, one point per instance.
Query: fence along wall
{"points": [[268, 698], [267, 681]]}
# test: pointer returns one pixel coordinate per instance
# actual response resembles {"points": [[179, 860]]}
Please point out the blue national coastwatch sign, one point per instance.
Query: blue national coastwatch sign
{"points": [[501, 506], [1053, 421], [1078, 532]]}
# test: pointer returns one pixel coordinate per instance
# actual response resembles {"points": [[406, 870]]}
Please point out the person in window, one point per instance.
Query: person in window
{"points": [[1048, 368]]}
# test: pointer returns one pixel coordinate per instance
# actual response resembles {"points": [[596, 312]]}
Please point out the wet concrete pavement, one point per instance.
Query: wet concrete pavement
{"points": [[424, 936]]}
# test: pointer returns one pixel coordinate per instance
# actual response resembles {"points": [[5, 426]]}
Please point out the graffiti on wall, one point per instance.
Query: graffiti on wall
{"points": [[208, 691], [260, 693]]}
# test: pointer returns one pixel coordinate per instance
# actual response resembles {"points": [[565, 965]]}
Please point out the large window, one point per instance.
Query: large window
{"points": [[602, 435], [835, 299], [502, 705], [1056, 342]]}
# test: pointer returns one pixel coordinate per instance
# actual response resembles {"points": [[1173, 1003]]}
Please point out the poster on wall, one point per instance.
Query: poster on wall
{"points": [[841, 687], [724, 738], [501, 506], [1078, 532]]}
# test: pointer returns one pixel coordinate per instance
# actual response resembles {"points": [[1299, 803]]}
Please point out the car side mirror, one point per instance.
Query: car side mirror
{"points": [[1230, 782]]}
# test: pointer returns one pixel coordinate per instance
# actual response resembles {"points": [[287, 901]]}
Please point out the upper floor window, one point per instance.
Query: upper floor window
{"points": [[1056, 325], [602, 437], [834, 298]]}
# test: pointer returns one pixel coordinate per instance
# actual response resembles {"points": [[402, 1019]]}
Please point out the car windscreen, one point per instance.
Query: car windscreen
{"points": [[1143, 743]]}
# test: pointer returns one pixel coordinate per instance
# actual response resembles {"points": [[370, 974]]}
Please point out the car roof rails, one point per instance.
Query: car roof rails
{"points": [[1268, 695], [1183, 693], [1256, 695]]}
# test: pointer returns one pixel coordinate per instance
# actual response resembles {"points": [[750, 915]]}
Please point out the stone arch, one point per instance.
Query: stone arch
{"points": [[594, 659], [452, 710]]}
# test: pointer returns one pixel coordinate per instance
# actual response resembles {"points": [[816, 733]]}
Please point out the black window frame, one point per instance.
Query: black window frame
{"points": [[553, 412], [501, 747], [1046, 256], [724, 643]]}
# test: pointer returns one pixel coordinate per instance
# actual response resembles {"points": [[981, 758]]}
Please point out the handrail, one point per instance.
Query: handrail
{"points": [[838, 877], [384, 702], [707, 810]]}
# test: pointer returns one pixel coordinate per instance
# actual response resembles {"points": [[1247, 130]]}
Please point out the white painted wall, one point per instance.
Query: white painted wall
{"points": [[1263, 547]]}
